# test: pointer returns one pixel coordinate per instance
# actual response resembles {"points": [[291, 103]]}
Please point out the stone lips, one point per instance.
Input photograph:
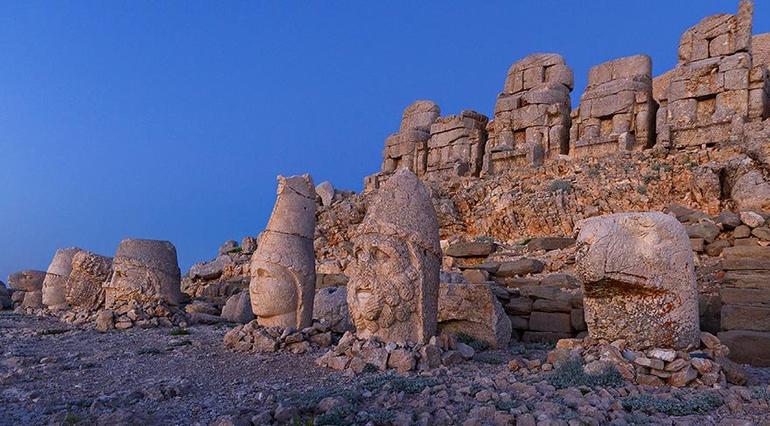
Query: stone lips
{"points": [[638, 280], [144, 271], [55, 283], [393, 294], [283, 265]]}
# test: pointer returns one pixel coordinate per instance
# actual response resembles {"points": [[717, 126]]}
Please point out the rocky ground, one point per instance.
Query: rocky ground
{"points": [[51, 372]]}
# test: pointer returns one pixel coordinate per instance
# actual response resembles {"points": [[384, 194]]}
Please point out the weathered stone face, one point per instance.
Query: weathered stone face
{"points": [[283, 267], [393, 291], [638, 280], [145, 271], [26, 280], [85, 283], [55, 283]]}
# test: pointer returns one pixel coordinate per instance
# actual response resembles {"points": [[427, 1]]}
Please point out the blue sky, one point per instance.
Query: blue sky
{"points": [[170, 120]]}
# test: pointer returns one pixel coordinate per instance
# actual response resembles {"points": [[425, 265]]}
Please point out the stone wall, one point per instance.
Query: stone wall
{"points": [[617, 109], [532, 114]]}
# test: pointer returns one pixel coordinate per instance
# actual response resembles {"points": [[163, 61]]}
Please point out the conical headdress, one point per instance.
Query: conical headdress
{"points": [[402, 209]]}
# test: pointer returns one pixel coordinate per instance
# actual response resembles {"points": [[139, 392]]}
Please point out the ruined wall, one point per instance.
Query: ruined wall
{"points": [[707, 99], [532, 114], [617, 109]]}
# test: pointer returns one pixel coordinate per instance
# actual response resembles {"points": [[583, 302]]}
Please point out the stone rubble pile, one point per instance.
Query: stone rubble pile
{"points": [[253, 337], [359, 355], [227, 274], [702, 365]]}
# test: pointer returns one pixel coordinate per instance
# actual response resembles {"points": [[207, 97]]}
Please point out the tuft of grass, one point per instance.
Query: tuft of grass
{"points": [[489, 358], [570, 374], [308, 401], [409, 385], [178, 331], [557, 185], [641, 189], [236, 250], [679, 404], [337, 416]]}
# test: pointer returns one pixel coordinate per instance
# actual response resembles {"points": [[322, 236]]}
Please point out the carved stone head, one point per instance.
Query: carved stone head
{"points": [[393, 291], [282, 284]]}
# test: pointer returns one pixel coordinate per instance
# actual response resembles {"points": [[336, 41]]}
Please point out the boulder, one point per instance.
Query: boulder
{"points": [[29, 280], [84, 284], [33, 299], [238, 308], [638, 280], [331, 307], [248, 245], [751, 191], [227, 247], [752, 219], [473, 310], [210, 270], [325, 192], [5, 297], [55, 283], [145, 271]]}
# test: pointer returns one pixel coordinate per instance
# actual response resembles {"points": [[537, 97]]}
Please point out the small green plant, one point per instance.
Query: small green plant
{"points": [[370, 368], [505, 405], [71, 419], [308, 401], [477, 345], [558, 185], [337, 416], [381, 417], [178, 331], [489, 358], [641, 189], [235, 250], [570, 374], [409, 385], [593, 171], [679, 404]]}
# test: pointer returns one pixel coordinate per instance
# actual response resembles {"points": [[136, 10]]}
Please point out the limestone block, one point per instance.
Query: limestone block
{"points": [[55, 283], [283, 275], [638, 280], [473, 310], [749, 347], [145, 271], [393, 290], [85, 283]]}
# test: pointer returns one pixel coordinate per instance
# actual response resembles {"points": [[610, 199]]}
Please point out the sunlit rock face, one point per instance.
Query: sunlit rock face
{"points": [[55, 283], [393, 293], [638, 280], [282, 284]]}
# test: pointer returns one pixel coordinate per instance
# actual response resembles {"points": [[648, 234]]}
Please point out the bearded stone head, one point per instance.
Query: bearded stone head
{"points": [[393, 290]]}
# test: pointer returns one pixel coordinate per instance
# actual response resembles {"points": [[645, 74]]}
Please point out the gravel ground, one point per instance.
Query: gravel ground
{"points": [[53, 373]]}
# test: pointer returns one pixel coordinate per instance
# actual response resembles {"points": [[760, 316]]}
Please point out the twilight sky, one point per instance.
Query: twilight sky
{"points": [[170, 120]]}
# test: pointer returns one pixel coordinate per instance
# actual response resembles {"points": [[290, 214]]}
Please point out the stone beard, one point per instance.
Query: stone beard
{"points": [[393, 290]]}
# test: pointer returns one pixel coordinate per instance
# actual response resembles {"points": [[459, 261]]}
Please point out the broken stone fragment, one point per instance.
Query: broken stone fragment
{"points": [[144, 271], [55, 283], [29, 280], [638, 280]]}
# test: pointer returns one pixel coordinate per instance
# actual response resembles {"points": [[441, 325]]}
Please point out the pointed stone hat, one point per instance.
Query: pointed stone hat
{"points": [[403, 209], [291, 228]]}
